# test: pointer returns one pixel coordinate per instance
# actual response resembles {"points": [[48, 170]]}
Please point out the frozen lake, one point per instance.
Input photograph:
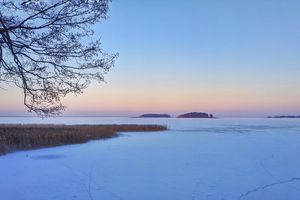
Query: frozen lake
{"points": [[205, 159]]}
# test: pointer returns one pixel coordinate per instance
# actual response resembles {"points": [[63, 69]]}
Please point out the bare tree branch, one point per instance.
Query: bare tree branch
{"points": [[45, 49]]}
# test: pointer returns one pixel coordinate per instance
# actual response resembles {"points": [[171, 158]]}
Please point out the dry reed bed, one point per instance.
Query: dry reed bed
{"points": [[22, 137]]}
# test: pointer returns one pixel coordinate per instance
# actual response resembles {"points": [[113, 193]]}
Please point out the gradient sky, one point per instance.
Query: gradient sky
{"points": [[230, 58]]}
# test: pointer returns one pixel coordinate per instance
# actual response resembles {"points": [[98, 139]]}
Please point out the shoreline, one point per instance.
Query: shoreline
{"points": [[14, 137]]}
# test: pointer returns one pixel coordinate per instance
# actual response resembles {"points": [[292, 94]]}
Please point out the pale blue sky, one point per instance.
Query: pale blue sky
{"points": [[232, 58]]}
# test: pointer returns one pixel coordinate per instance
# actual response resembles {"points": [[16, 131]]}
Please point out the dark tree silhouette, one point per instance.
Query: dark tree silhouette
{"points": [[46, 49]]}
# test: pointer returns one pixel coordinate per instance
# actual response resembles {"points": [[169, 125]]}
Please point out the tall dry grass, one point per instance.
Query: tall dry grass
{"points": [[22, 137]]}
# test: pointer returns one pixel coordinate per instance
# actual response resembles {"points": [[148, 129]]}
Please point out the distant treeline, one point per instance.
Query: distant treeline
{"points": [[186, 115], [284, 116]]}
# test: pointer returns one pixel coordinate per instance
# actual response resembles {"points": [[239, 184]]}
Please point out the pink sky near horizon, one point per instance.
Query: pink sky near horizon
{"points": [[116, 99]]}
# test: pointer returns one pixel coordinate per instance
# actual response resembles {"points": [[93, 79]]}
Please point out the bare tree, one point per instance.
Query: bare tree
{"points": [[46, 49]]}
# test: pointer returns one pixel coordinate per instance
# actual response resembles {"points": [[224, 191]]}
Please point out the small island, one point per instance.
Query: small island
{"points": [[285, 116], [196, 115], [155, 116]]}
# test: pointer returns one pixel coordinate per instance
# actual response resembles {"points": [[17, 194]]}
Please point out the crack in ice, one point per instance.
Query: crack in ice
{"points": [[268, 185]]}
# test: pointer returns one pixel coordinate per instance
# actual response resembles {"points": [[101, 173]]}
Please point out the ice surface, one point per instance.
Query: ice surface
{"points": [[213, 159]]}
